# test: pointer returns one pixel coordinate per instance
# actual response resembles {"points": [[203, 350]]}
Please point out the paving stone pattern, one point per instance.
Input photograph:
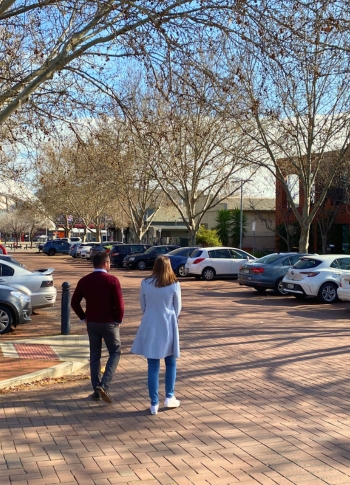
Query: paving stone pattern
{"points": [[264, 389], [35, 351]]}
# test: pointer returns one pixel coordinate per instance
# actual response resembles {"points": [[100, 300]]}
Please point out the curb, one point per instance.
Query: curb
{"points": [[63, 369]]}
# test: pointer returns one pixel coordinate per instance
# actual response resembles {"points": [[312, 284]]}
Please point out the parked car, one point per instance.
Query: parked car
{"points": [[178, 258], [103, 246], [57, 246], [39, 283], [85, 250], [119, 251], [267, 272], [147, 258], [71, 240], [73, 249], [318, 276], [216, 261], [7, 257], [80, 248], [15, 307], [344, 287]]}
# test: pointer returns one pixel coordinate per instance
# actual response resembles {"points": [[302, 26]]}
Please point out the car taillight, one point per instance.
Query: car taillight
{"points": [[257, 270], [198, 260], [114, 254], [310, 273], [45, 284]]}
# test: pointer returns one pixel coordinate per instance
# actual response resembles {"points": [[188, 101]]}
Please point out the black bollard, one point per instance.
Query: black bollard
{"points": [[65, 309]]}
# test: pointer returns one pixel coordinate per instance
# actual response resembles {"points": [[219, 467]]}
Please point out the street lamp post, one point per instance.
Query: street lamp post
{"points": [[241, 218]]}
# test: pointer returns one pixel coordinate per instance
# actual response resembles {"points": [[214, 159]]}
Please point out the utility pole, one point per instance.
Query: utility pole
{"points": [[241, 219]]}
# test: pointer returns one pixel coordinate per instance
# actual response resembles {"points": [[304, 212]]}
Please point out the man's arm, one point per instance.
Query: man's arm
{"points": [[118, 302], [75, 303]]}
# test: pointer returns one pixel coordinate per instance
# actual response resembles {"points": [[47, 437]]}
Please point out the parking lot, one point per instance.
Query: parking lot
{"points": [[264, 385]]}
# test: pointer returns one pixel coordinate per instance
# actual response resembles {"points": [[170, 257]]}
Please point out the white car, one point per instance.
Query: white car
{"points": [[344, 287], [317, 275], [216, 261], [39, 284], [80, 248], [86, 249]]}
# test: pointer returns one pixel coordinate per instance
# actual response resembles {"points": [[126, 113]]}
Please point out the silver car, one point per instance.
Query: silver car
{"points": [[38, 283], [15, 307]]}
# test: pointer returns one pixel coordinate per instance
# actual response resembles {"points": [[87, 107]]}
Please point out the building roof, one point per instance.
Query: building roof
{"points": [[248, 203]]}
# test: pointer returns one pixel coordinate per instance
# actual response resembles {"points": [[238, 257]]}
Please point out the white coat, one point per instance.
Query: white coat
{"points": [[158, 334]]}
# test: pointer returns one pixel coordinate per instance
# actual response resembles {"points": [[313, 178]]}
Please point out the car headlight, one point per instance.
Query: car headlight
{"points": [[21, 296], [131, 258]]}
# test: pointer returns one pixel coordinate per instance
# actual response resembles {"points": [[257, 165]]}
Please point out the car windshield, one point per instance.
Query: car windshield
{"points": [[243, 254], [307, 263], [149, 250]]}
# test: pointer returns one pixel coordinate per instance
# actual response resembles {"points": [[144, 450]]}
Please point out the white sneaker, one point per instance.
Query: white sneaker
{"points": [[154, 409], [171, 402]]}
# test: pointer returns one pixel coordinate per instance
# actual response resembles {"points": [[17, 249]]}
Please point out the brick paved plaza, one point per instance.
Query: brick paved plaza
{"points": [[264, 388]]}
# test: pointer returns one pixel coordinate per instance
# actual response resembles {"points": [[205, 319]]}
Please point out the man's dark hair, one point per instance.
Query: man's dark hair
{"points": [[99, 259]]}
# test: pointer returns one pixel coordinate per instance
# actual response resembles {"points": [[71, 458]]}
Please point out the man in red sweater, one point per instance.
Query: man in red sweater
{"points": [[103, 315]]}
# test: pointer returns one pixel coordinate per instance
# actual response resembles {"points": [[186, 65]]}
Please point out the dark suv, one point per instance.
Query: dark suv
{"points": [[119, 251], [147, 259], [56, 246]]}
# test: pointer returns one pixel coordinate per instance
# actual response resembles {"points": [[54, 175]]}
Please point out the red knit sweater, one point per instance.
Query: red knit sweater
{"points": [[103, 296]]}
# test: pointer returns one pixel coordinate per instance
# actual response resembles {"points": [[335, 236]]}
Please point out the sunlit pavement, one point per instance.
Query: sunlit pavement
{"points": [[264, 389]]}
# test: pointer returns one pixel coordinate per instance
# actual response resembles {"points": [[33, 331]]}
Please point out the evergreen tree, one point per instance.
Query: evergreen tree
{"points": [[223, 227], [235, 226]]}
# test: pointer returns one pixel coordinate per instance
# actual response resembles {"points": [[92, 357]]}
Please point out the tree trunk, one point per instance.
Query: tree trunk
{"points": [[138, 235], [324, 243], [192, 237], [304, 238], [98, 232]]}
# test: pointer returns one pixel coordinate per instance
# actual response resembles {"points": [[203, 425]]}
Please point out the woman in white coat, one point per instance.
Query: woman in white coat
{"points": [[158, 335]]}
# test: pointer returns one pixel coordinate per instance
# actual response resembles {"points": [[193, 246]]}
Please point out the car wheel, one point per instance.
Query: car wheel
{"points": [[279, 290], [6, 319], [51, 252], [141, 265], [208, 274], [260, 290], [328, 293], [181, 270]]}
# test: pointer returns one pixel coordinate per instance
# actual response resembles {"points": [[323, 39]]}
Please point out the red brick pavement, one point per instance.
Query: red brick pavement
{"points": [[264, 388]]}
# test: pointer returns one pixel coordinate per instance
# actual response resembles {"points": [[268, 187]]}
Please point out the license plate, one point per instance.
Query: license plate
{"points": [[245, 271], [290, 286]]}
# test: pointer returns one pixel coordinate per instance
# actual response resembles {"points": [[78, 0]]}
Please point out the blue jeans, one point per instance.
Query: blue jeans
{"points": [[109, 332], [153, 377]]}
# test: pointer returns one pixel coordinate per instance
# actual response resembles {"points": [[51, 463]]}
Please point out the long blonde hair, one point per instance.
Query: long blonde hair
{"points": [[163, 274]]}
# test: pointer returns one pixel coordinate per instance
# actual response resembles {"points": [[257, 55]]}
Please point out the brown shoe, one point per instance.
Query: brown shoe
{"points": [[104, 394]]}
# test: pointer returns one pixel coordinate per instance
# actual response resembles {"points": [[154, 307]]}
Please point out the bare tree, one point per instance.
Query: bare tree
{"points": [[296, 95], [13, 224], [50, 50], [130, 177], [74, 180], [199, 156]]}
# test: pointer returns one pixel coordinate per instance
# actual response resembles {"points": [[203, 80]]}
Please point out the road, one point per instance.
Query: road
{"points": [[264, 388]]}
